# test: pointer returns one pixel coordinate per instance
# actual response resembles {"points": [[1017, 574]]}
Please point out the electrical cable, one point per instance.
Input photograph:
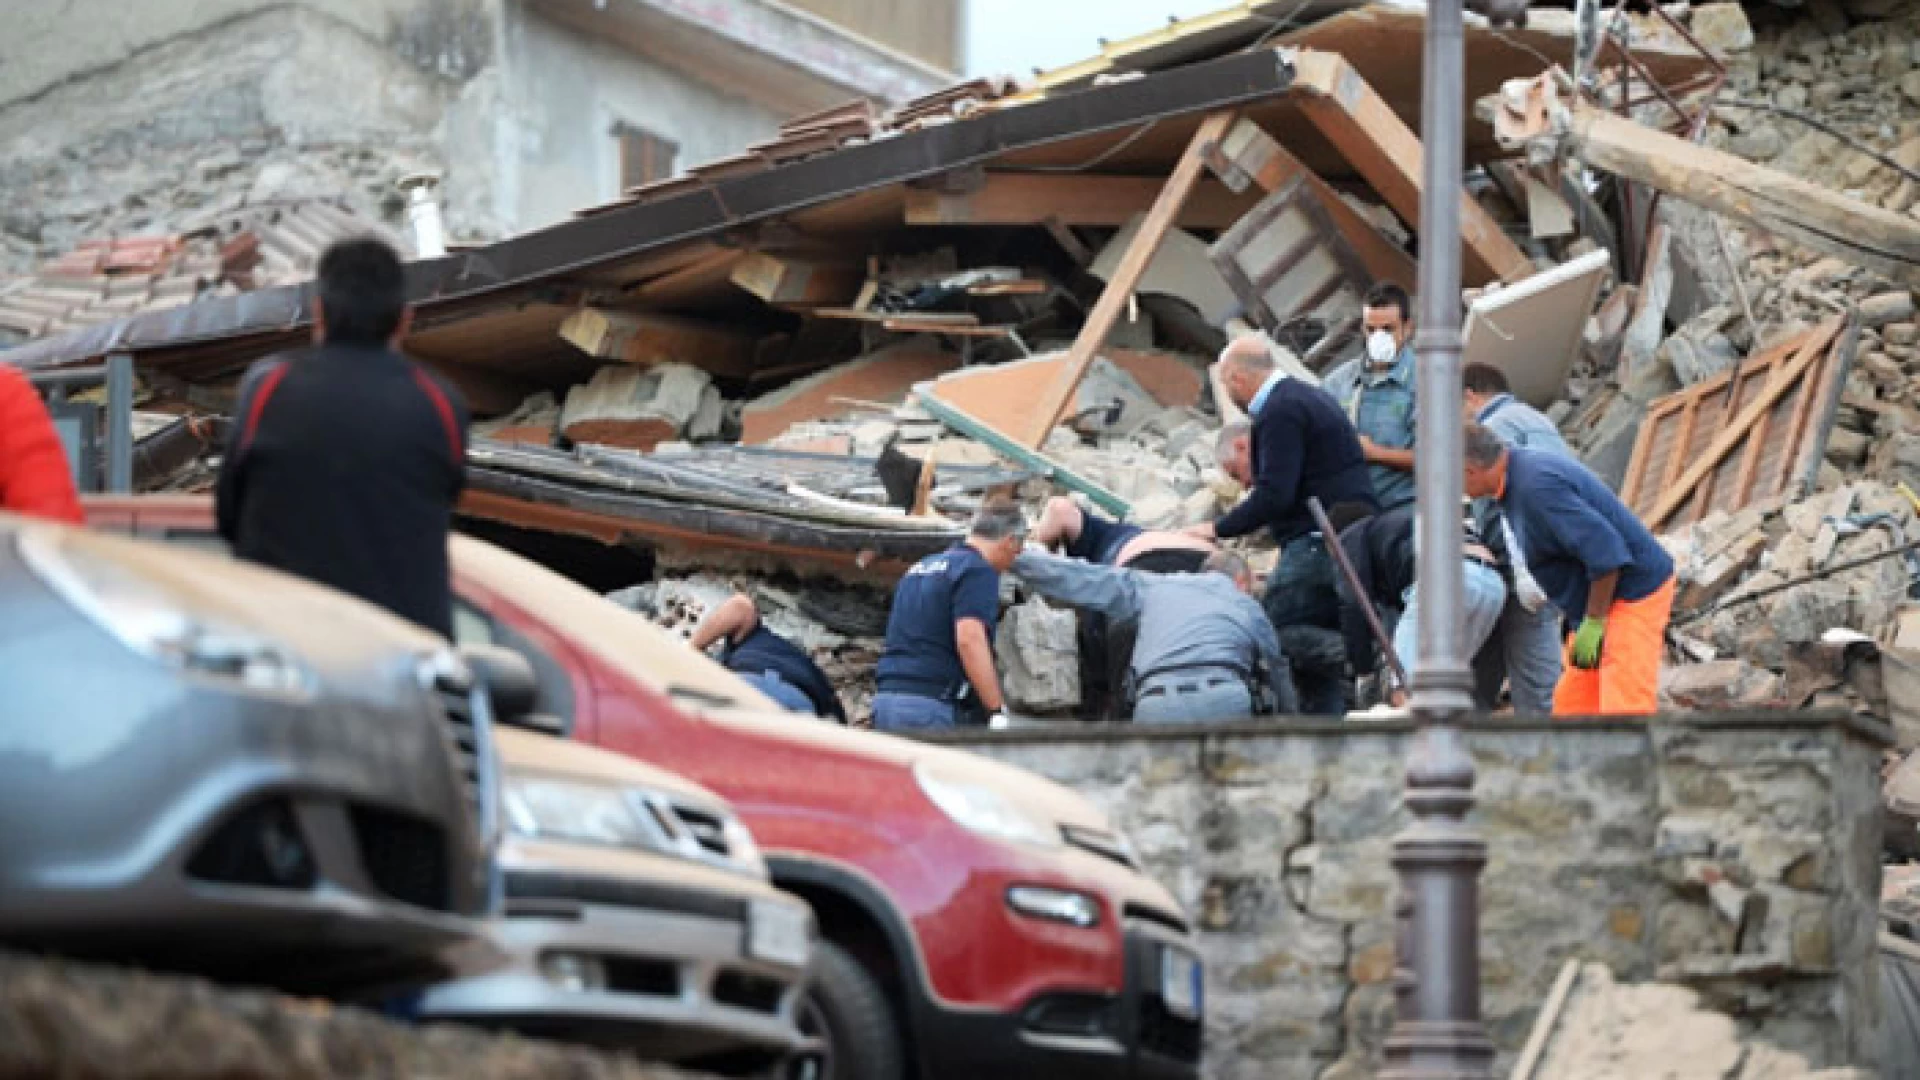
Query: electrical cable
{"points": [[1817, 575]]}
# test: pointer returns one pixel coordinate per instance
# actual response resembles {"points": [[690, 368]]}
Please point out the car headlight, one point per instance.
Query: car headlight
{"points": [[541, 807], [985, 810], [151, 622], [552, 808]]}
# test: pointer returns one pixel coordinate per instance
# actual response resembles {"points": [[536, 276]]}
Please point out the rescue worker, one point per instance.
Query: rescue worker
{"points": [[1598, 564], [937, 670], [1298, 444], [1385, 558], [1204, 651], [1106, 645], [773, 665], [1529, 634], [346, 457], [1376, 391], [35, 478]]}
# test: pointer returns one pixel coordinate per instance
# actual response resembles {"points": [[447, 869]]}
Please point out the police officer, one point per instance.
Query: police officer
{"points": [[937, 668], [1204, 650], [1376, 392], [775, 666]]}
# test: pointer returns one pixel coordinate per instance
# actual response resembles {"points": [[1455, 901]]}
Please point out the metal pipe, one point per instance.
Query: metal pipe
{"points": [[61, 379], [1438, 1032], [120, 424]]}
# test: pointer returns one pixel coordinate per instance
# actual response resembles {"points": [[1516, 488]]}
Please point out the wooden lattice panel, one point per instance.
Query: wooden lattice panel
{"points": [[1752, 433]]}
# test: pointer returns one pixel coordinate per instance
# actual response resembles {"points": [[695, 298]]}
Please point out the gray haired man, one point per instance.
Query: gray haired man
{"points": [[937, 668], [1205, 649]]}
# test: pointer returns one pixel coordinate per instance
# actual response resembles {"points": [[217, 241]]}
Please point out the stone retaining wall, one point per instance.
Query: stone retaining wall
{"points": [[1736, 855]]}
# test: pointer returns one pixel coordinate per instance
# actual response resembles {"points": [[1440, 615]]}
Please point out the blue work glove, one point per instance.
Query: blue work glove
{"points": [[1587, 641]]}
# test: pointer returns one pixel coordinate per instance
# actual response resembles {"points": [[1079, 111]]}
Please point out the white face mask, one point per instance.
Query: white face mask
{"points": [[1381, 348]]}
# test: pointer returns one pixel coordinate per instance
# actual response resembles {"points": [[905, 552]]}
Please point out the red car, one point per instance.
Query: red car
{"points": [[976, 919]]}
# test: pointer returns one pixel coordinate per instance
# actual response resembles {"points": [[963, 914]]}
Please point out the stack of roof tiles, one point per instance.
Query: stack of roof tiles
{"points": [[251, 247]]}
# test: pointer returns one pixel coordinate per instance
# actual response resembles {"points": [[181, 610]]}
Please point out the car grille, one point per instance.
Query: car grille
{"points": [[744, 990], [653, 978], [464, 735], [1104, 844], [405, 857], [261, 845], [707, 829]]}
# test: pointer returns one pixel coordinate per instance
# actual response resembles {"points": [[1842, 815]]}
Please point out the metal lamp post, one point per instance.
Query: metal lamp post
{"points": [[1438, 1032]]}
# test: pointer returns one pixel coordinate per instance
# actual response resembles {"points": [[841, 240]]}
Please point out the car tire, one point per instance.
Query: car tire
{"points": [[845, 1009]]}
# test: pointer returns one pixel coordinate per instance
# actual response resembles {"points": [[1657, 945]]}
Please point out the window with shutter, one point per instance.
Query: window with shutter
{"points": [[644, 156]]}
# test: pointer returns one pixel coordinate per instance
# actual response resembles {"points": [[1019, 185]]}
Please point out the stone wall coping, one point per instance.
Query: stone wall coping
{"points": [[1871, 730]]}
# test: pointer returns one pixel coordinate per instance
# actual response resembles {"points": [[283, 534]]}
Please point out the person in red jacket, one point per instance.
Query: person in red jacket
{"points": [[34, 476]]}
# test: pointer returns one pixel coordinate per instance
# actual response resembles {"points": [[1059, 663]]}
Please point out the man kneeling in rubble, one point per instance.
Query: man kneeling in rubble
{"points": [[775, 666], [1204, 649], [1106, 645]]}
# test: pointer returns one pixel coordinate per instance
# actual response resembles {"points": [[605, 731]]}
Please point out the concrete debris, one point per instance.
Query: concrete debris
{"points": [[640, 408], [1597, 1029], [1039, 658], [1721, 685], [535, 421]]}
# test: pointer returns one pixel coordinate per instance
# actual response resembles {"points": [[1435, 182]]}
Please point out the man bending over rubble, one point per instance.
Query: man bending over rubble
{"points": [[1598, 564], [937, 668], [773, 665], [1204, 649], [1298, 444], [1105, 645]]}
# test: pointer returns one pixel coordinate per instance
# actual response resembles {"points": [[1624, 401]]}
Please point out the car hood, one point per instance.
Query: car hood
{"points": [[529, 751], [340, 638], [694, 683]]}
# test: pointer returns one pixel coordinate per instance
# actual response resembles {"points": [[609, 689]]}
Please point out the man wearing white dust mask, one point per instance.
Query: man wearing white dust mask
{"points": [[1376, 391]]}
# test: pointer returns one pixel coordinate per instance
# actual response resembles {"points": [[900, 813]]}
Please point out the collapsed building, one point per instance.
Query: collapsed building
{"points": [[796, 370]]}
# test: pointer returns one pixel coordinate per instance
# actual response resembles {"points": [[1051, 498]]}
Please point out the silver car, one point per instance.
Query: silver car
{"points": [[638, 914], [210, 767]]}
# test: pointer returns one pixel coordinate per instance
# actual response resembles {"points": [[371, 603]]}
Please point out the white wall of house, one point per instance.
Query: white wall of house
{"points": [[569, 91]]}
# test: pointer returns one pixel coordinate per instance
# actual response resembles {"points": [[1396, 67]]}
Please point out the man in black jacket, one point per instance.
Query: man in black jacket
{"points": [[346, 458], [1299, 445]]}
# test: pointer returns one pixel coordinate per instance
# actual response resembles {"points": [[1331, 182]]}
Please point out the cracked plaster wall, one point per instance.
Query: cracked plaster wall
{"points": [[1739, 859]]}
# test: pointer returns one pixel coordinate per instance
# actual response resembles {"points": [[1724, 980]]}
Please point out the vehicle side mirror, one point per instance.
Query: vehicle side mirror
{"points": [[509, 681]]}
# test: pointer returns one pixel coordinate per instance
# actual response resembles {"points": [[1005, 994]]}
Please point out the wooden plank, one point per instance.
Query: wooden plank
{"points": [[913, 324], [1806, 350], [1019, 453], [1817, 216], [1383, 149], [1248, 151], [1078, 199], [647, 338], [944, 318], [779, 279], [1054, 402], [682, 284]]}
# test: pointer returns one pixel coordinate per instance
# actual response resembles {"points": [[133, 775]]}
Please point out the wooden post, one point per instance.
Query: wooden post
{"points": [[1366, 130], [1058, 398], [1818, 217]]}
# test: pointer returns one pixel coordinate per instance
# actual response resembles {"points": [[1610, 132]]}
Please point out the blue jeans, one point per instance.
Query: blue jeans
{"points": [[1485, 596], [784, 694], [901, 713], [1208, 699], [1301, 598], [1531, 644]]}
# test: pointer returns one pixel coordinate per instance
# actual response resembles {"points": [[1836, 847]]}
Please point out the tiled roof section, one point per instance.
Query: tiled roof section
{"points": [[230, 251], [823, 132]]}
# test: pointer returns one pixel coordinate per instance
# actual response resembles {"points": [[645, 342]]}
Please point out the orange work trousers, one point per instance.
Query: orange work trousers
{"points": [[1627, 682]]}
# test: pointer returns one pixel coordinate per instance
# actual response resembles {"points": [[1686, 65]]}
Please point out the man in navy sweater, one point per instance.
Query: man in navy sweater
{"points": [[1598, 564], [1301, 446]]}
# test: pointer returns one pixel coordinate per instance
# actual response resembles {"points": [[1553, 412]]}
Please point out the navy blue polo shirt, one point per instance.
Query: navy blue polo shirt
{"points": [[921, 656], [1100, 540], [1573, 529], [763, 651]]}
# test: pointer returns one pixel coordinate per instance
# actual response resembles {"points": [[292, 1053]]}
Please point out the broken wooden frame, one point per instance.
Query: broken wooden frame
{"points": [[1757, 431], [1295, 273]]}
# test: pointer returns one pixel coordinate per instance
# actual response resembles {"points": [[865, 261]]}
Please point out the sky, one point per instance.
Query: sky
{"points": [[1011, 37]]}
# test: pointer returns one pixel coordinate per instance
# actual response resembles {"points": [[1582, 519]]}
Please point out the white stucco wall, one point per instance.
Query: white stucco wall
{"points": [[569, 90]]}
